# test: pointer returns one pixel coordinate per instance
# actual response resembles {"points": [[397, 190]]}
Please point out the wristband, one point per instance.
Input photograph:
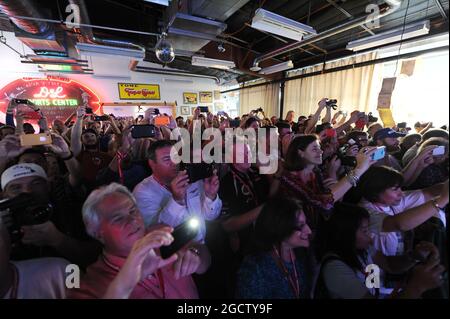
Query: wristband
{"points": [[68, 157]]}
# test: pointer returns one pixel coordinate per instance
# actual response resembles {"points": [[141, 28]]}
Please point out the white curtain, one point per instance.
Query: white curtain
{"points": [[352, 87], [265, 96]]}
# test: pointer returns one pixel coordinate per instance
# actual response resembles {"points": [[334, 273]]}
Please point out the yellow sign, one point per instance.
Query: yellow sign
{"points": [[386, 117], [133, 91]]}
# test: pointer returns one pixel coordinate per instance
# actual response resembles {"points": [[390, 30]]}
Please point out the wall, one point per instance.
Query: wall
{"points": [[109, 70]]}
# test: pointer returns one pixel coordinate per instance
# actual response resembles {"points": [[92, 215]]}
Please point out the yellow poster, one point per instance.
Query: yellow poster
{"points": [[134, 91], [386, 117]]}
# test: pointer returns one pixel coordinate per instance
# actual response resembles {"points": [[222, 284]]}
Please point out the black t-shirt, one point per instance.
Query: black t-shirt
{"points": [[241, 193]]}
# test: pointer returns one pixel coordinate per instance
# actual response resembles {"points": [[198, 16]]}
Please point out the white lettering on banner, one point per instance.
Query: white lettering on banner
{"points": [[72, 276], [52, 93], [373, 276]]}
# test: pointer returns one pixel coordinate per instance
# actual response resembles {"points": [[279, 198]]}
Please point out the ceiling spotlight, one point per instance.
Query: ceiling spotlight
{"points": [[221, 48]]}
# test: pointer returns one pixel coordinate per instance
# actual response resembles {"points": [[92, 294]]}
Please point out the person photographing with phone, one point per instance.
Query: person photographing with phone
{"points": [[169, 197], [85, 147], [131, 265]]}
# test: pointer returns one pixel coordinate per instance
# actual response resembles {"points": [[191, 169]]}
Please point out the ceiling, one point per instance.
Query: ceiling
{"points": [[243, 43]]}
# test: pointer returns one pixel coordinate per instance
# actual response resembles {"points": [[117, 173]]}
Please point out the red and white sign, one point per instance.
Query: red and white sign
{"points": [[57, 97]]}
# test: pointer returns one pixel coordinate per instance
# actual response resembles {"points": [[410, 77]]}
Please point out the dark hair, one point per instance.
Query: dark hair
{"points": [[179, 117], [338, 234], [293, 161], [151, 153], [436, 132], [276, 222], [34, 150], [282, 124], [27, 125], [322, 127], [250, 121], [376, 180], [354, 135]]}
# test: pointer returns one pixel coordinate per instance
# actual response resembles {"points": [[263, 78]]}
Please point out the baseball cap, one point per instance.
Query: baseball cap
{"points": [[387, 132], [22, 170]]}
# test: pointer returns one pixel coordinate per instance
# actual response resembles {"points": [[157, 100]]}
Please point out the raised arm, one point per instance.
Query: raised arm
{"points": [[315, 118], [75, 138]]}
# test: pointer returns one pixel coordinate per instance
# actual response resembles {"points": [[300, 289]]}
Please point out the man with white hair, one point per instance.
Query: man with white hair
{"points": [[130, 266]]}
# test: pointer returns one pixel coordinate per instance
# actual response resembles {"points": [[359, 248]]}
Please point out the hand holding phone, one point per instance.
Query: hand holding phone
{"points": [[438, 151], [35, 139], [182, 235], [161, 120], [379, 153], [143, 131]]}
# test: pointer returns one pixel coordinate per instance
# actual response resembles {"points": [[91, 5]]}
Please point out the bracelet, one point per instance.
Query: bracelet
{"points": [[68, 157], [352, 178], [436, 205]]}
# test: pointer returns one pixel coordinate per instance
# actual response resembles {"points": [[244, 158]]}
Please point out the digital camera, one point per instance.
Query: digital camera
{"points": [[24, 210]]}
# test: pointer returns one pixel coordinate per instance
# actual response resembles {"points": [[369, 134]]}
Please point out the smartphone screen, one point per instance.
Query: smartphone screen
{"points": [[379, 153], [35, 139], [204, 109], [162, 120], [143, 131], [100, 118], [182, 235], [440, 150], [89, 110]]}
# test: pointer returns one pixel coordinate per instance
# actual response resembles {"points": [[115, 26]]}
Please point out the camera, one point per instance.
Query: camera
{"points": [[372, 118], [260, 110], [197, 171], [332, 104], [346, 160], [24, 210]]}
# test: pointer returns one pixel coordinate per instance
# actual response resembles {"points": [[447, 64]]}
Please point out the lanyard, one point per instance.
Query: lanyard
{"points": [[248, 186], [293, 281], [143, 284]]}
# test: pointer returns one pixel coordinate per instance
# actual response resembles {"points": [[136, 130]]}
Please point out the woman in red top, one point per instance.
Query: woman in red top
{"points": [[303, 180]]}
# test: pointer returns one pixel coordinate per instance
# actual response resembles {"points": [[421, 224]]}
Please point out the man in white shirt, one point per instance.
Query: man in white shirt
{"points": [[168, 197]]}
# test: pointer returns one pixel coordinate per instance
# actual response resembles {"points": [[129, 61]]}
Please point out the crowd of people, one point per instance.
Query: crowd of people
{"points": [[110, 203]]}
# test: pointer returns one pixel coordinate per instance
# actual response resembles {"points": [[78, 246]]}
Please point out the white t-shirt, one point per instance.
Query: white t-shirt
{"points": [[390, 244], [42, 278], [157, 205]]}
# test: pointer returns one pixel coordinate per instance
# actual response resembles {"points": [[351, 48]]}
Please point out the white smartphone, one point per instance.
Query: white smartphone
{"points": [[379, 153], [440, 150]]}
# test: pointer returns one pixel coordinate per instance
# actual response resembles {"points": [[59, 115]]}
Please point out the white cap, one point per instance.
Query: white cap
{"points": [[22, 170]]}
